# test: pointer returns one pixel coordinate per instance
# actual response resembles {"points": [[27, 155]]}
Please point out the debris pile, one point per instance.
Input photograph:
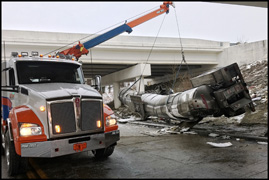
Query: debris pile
{"points": [[107, 97], [124, 113], [256, 77], [176, 130], [182, 83]]}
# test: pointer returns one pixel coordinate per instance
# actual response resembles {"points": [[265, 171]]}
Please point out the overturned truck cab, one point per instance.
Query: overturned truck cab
{"points": [[219, 92]]}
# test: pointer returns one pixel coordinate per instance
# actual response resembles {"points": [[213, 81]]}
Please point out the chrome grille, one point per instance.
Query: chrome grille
{"points": [[75, 116], [63, 114], [90, 114]]}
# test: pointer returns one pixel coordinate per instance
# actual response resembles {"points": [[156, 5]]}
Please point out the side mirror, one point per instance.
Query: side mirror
{"points": [[97, 83]]}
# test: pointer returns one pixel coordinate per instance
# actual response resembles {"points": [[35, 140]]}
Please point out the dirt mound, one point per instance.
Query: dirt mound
{"points": [[256, 74], [256, 77]]}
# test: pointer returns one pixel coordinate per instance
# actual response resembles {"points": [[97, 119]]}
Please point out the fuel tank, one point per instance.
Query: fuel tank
{"points": [[222, 91], [190, 105]]}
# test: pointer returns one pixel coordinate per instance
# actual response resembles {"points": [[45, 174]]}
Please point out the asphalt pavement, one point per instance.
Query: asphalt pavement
{"points": [[145, 152]]}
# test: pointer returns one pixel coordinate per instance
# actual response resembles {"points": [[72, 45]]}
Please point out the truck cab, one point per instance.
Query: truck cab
{"points": [[49, 111]]}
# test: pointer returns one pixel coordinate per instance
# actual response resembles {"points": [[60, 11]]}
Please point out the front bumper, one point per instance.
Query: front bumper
{"points": [[66, 146]]}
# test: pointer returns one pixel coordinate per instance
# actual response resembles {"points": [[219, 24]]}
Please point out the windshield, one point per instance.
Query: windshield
{"points": [[48, 72]]}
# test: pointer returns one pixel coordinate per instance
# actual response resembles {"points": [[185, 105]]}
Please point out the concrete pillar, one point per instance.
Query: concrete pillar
{"points": [[116, 91], [109, 88], [103, 89], [141, 84]]}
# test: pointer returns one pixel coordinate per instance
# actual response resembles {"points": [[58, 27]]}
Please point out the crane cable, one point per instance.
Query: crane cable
{"points": [[182, 53], [145, 63], [183, 60], [150, 52], [100, 31]]}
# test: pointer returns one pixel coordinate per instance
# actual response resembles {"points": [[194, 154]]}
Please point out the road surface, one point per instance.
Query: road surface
{"points": [[144, 152]]}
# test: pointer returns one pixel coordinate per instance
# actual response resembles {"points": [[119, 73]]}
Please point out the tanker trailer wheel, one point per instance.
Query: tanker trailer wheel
{"points": [[230, 113], [103, 153], [15, 163]]}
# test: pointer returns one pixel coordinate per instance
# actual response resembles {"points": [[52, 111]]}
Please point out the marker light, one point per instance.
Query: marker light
{"points": [[41, 55], [57, 128], [73, 59], [23, 54], [34, 53], [28, 129], [49, 56], [57, 56], [98, 123], [42, 108], [19, 55]]}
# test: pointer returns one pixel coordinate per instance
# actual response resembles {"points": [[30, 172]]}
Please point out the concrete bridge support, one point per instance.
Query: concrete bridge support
{"points": [[140, 85], [116, 91], [132, 73]]}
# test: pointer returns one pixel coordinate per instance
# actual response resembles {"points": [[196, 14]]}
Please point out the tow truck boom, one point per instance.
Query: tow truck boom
{"points": [[81, 49]]}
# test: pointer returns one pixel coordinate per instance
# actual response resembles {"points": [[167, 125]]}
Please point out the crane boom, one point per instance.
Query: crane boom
{"points": [[81, 49]]}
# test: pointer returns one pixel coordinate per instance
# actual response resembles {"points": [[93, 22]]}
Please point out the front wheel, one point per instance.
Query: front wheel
{"points": [[3, 130], [103, 153], [15, 163]]}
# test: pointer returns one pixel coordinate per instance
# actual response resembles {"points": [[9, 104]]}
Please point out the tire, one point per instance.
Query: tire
{"points": [[218, 114], [15, 163], [103, 153], [2, 138], [230, 113]]}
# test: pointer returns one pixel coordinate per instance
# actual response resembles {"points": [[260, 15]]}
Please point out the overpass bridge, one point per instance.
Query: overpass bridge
{"points": [[125, 58], [121, 52]]}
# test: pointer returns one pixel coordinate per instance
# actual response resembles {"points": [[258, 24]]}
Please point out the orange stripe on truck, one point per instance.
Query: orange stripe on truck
{"points": [[23, 114], [108, 112], [6, 102]]}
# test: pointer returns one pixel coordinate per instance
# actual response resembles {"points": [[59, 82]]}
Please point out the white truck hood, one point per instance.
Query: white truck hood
{"points": [[58, 90]]}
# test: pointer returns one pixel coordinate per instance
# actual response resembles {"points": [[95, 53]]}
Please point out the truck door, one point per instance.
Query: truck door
{"points": [[9, 92]]}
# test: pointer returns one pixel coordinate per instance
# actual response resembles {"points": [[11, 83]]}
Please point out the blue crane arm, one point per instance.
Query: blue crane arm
{"points": [[81, 49], [108, 35]]}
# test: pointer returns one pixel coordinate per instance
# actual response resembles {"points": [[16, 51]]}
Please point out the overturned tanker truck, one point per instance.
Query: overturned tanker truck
{"points": [[219, 92]]}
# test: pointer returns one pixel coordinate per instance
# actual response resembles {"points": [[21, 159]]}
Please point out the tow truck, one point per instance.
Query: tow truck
{"points": [[48, 110]]}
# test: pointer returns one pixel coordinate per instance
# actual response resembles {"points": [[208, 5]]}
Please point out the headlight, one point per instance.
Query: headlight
{"points": [[28, 129], [111, 120]]}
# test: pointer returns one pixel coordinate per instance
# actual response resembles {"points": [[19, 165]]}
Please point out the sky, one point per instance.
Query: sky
{"points": [[192, 19]]}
